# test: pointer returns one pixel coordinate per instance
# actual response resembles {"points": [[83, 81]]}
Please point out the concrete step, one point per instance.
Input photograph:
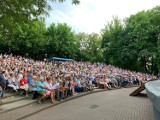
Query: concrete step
{"points": [[12, 98], [7, 94], [20, 112], [15, 102]]}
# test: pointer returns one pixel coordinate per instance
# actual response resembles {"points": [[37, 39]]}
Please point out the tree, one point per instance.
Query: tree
{"points": [[112, 42], [61, 41], [90, 47], [158, 56], [29, 39], [143, 32], [133, 43], [22, 12]]}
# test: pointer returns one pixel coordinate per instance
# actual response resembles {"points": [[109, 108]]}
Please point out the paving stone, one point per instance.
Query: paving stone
{"points": [[106, 105]]}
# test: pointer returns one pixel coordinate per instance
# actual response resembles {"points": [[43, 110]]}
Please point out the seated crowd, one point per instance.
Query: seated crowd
{"points": [[62, 79]]}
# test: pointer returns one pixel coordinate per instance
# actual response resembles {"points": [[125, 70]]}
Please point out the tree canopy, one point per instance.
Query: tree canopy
{"points": [[132, 43], [22, 12]]}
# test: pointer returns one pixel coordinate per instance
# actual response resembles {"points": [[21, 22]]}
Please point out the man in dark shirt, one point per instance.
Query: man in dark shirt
{"points": [[2, 84]]}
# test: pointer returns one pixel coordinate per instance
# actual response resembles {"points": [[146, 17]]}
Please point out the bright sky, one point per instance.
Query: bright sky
{"points": [[90, 16]]}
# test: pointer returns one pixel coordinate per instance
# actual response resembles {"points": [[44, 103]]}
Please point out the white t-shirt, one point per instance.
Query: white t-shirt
{"points": [[20, 76], [49, 85], [55, 86]]}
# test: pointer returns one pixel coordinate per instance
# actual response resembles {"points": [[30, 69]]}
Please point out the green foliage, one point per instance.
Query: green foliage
{"points": [[22, 12], [29, 39], [90, 47], [21, 28], [61, 41], [111, 42], [158, 54], [132, 44]]}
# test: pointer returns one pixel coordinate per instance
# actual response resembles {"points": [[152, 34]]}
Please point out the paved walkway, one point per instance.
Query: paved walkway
{"points": [[107, 105]]}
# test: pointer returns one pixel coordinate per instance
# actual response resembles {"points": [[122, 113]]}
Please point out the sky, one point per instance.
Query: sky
{"points": [[91, 16]]}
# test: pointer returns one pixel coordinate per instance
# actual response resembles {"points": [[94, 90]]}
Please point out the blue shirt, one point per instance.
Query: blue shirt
{"points": [[32, 85], [29, 79], [2, 81], [39, 88]]}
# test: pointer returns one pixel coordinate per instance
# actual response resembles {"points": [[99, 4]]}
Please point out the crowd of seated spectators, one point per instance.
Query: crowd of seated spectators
{"points": [[59, 80]]}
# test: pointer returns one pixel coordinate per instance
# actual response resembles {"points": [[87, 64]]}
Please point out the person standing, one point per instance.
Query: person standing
{"points": [[2, 84]]}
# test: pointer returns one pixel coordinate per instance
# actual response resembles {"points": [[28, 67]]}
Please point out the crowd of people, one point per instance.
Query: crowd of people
{"points": [[59, 80]]}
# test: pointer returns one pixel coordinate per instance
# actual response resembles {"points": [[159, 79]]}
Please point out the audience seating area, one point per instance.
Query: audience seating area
{"points": [[59, 80]]}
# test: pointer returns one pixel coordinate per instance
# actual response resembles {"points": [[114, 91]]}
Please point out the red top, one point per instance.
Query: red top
{"points": [[23, 82]]}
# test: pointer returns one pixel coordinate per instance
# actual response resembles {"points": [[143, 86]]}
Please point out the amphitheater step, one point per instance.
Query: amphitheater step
{"points": [[14, 102]]}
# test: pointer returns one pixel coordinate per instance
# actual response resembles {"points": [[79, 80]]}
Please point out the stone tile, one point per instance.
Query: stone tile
{"points": [[107, 105]]}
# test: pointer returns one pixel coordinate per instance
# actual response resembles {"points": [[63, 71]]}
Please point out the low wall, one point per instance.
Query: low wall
{"points": [[153, 92]]}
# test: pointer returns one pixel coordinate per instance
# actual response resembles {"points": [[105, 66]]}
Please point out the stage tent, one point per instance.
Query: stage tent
{"points": [[59, 59]]}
